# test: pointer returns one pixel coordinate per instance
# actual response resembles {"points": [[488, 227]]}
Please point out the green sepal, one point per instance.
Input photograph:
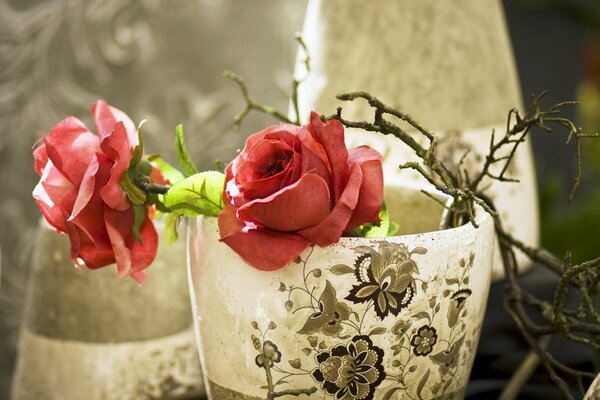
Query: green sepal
{"points": [[142, 168], [199, 194], [139, 217], [136, 196], [139, 149], [185, 160], [172, 174]]}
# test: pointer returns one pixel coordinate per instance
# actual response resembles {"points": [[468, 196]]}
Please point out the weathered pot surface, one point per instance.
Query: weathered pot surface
{"points": [[366, 318]]}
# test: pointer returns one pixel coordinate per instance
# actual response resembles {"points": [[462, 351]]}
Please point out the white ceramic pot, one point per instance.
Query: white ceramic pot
{"points": [[593, 392], [89, 335], [366, 318], [448, 64]]}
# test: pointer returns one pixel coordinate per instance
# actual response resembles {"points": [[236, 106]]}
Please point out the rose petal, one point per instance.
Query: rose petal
{"points": [[118, 226], [139, 276], [314, 159], [71, 146], [93, 257], [157, 176], [294, 172], [255, 177], [50, 193], [89, 219], [106, 117], [262, 249], [285, 132], [40, 155], [117, 147], [86, 190], [331, 136], [143, 254], [301, 205], [371, 189], [331, 228]]}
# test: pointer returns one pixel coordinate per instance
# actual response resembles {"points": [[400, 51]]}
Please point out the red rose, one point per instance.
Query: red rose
{"points": [[79, 192], [292, 186]]}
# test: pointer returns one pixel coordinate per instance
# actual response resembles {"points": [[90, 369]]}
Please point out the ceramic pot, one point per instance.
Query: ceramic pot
{"points": [[593, 392], [366, 318], [89, 335], [447, 64]]}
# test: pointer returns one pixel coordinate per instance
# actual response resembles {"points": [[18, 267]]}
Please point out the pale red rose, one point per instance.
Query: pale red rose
{"points": [[79, 192], [292, 186]]}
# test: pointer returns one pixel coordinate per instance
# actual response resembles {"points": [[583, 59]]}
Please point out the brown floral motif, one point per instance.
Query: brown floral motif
{"points": [[401, 326], [424, 340], [329, 316], [457, 304], [448, 359], [385, 277], [269, 352], [351, 371]]}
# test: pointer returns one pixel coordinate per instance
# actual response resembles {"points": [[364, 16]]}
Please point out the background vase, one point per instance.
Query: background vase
{"points": [[404, 312], [448, 64], [89, 335]]}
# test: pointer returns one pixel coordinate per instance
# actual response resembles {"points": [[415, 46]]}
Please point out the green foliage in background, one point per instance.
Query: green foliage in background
{"points": [[576, 227]]}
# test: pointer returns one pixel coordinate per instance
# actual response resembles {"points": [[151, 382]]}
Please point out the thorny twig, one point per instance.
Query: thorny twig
{"points": [[251, 104], [468, 192], [581, 325]]}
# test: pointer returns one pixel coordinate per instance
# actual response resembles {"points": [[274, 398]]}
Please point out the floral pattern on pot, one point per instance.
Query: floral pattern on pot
{"points": [[352, 366], [350, 371], [385, 276], [329, 316], [424, 340]]}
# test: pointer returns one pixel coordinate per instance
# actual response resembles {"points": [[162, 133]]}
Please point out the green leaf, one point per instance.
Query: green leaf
{"points": [[185, 160], [139, 217], [384, 228], [393, 229], [199, 194], [171, 233], [172, 174]]}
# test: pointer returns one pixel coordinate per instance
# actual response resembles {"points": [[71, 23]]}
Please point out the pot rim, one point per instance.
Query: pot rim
{"points": [[482, 218]]}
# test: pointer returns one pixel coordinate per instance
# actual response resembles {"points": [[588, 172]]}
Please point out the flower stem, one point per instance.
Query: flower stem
{"points": [[148, 186]]}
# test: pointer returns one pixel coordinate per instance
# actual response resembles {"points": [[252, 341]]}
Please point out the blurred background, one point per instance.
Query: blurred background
{"points": [[164, 60]]}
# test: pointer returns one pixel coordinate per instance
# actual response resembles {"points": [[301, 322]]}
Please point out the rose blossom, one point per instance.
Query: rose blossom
{"points": [[79, 192], [292, 186]]}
